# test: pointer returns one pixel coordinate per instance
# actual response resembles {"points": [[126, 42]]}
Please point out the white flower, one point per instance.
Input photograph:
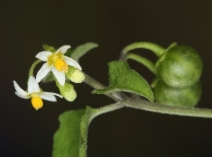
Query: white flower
{"points": [[57, 63], [35, 93]]}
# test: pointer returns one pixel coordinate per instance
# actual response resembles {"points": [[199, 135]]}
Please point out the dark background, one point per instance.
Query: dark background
{"points": [[26, 25]]}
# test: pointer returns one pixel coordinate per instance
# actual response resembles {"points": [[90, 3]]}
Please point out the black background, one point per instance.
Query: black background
{"points": [[26, 25]]}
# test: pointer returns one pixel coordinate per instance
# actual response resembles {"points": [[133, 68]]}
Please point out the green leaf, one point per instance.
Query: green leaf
{"points": [[123, 78], [70, 140], [81, 50], [67, 137]]}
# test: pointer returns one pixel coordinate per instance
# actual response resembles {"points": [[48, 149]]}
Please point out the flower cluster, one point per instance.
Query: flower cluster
{"points": [[61, 67]]}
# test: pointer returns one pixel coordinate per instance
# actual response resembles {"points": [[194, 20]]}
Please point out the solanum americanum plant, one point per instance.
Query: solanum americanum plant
{"points": [[176, 88]]}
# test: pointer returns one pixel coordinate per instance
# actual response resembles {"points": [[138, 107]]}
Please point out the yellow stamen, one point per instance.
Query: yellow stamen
{"points": [[61, 65], [37, 102], [54, 57]]}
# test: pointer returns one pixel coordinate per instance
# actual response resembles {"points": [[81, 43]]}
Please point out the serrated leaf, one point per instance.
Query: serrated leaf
{"points": [[81, 50], [123, 78], [67, 138]]}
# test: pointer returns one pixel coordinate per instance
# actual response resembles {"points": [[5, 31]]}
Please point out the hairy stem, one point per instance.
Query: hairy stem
{"points": [[118, 96], [164, 109], [106, 109], [133, 102], [139, 103]]}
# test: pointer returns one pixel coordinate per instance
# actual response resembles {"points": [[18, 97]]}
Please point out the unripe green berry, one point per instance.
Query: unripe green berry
{"points": [[184, 97], [180, 66]]}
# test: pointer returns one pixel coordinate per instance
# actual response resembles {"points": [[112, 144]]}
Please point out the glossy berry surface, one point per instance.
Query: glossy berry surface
{"points": [[180, 66], [185, 97]]}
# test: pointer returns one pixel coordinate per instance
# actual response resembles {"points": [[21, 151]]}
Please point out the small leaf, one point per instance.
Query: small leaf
{"points": [[81, 50], [123, 78], [67, 137]]}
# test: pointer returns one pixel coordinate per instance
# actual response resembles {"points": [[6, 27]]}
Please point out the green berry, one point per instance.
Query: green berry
{"points": [[180, 66], [184, 97]]}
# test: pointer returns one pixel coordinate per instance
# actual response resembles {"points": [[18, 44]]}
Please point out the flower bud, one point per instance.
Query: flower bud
{"points": [[68, 92], [75, 75]]}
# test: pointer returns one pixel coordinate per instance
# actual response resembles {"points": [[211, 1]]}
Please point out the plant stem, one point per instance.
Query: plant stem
{"points": [[150, 65], [31, 70], [106, 109], [172, 110], [118, 96], [87, 118], [158, 50], [142, 104], [133, 102]]}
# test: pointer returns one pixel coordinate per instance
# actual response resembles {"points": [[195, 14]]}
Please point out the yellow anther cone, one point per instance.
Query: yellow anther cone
{"points": [[61, 65], [37, 102]]}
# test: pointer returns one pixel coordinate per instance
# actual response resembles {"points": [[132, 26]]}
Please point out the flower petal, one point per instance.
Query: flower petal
{"points": [[72, 62], [44, 70], [33, 86], [63, 49], [43, 55], [51, 93], [21, 96], [19, 90], [59, 75], [49, 96]]}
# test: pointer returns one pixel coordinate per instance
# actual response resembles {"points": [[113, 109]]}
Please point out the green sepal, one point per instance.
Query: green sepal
{"points": [[71, 70], [123, 78], [48, 48], [81, 50]]}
